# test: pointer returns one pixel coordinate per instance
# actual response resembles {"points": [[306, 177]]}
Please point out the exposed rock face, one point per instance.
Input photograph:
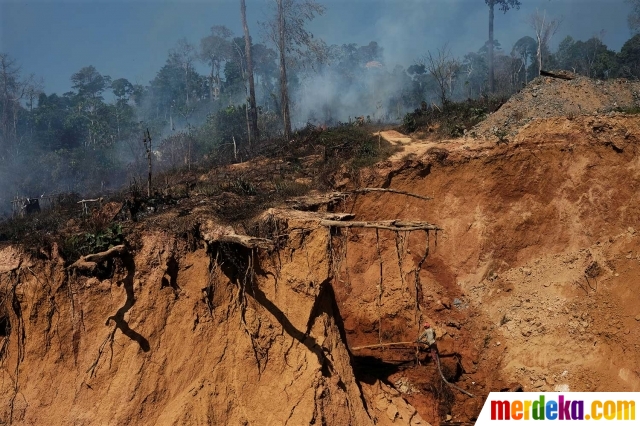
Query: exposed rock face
{"points": [[213, 336]]}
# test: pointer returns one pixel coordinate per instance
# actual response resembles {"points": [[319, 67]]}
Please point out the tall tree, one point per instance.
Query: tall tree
{"points": [[185, 54], [12, 91], [287, 30], [503, 5], [122, 111], [214, 50], [629, 58], [544, 29], [284, 90], [253, 111], [90, 108], [525, 48]]}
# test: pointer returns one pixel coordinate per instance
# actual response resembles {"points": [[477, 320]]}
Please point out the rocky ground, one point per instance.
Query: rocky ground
{"points": [[547, 97]]}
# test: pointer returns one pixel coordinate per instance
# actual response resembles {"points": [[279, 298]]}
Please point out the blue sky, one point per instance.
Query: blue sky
{"points": [[131, 39]]}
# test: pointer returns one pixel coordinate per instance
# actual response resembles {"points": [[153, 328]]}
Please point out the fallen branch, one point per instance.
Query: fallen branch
{"points": [[555, 75], [393, 191], [447, 382], [391, 225], [379, 345], [244, 240], [85, 206], [339, 216], [312, 203], [91, 261]]}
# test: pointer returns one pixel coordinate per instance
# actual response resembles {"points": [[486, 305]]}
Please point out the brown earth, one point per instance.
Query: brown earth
{"points": [[547, 97], [532, 281]]}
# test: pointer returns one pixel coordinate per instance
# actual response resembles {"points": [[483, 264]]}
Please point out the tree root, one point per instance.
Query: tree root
{"points": [[109, 339], [391, 225], [313, 203], [90, 262]]}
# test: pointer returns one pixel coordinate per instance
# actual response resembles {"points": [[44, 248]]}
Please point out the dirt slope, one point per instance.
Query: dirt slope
{"points": [[547, 97], [533, 277], [530, 282], [172, 360]]}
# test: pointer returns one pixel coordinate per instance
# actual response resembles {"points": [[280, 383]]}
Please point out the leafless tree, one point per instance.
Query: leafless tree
{"points": [[444, 68], [545, 28], [253, 112], [287, 31], [12, 91]]}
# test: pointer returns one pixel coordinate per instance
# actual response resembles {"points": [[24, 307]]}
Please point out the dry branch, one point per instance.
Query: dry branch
{"points": [[393, 191], [391, 225], [339, 216], [555, 75], [380, 345], [243, 240], [91, 261], [312, 203]]}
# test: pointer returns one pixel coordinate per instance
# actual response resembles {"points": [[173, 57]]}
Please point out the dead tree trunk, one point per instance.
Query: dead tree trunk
{"points": [[284, 91], [147, 146], [253, 112], [492, 80]]}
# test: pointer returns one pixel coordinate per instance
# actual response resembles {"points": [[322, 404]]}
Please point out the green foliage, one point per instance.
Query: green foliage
{"points": [[635, 110], [629, 58], [100, 240], [222, 127], [501, 134]]}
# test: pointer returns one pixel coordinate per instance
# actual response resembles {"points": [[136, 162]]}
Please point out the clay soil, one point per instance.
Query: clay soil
{"points": [[531, 284]]}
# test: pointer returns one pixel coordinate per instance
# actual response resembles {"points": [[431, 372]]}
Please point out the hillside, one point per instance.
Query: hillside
{"points": [[529, 281]]}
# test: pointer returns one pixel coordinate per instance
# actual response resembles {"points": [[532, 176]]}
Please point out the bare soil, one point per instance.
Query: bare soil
{"points": [[531, 283]]}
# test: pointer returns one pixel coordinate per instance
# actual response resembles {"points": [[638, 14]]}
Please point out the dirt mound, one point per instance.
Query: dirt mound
{"points": [[547, 97]]}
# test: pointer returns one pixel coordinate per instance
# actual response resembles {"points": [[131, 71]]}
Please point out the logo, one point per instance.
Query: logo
{"points": [[519, 407]]}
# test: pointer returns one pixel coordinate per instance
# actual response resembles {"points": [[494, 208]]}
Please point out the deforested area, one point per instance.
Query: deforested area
{"points": [[250, 214]]}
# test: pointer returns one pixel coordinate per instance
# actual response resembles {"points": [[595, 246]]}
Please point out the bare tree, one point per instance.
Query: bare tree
{"points": [[287, 30], [444, 68], [503, 5], [12, 91], [253, 112], [544, 28]]}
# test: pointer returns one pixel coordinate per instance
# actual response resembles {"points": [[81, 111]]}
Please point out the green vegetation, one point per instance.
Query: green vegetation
{"points": [[451, 120]]}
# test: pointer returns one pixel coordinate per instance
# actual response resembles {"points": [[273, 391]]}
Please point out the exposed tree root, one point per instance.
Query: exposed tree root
{"points": [[391, 225], [418, 287], [109, 339], [11, 303], [209, 289], [90, 262], [244, 240], [313, 203], [380, 290], [390, 190]]}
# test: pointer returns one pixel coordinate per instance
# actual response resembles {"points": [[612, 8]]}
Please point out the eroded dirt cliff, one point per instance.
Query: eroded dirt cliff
{"points": [[531, 283], [171, 334]]}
